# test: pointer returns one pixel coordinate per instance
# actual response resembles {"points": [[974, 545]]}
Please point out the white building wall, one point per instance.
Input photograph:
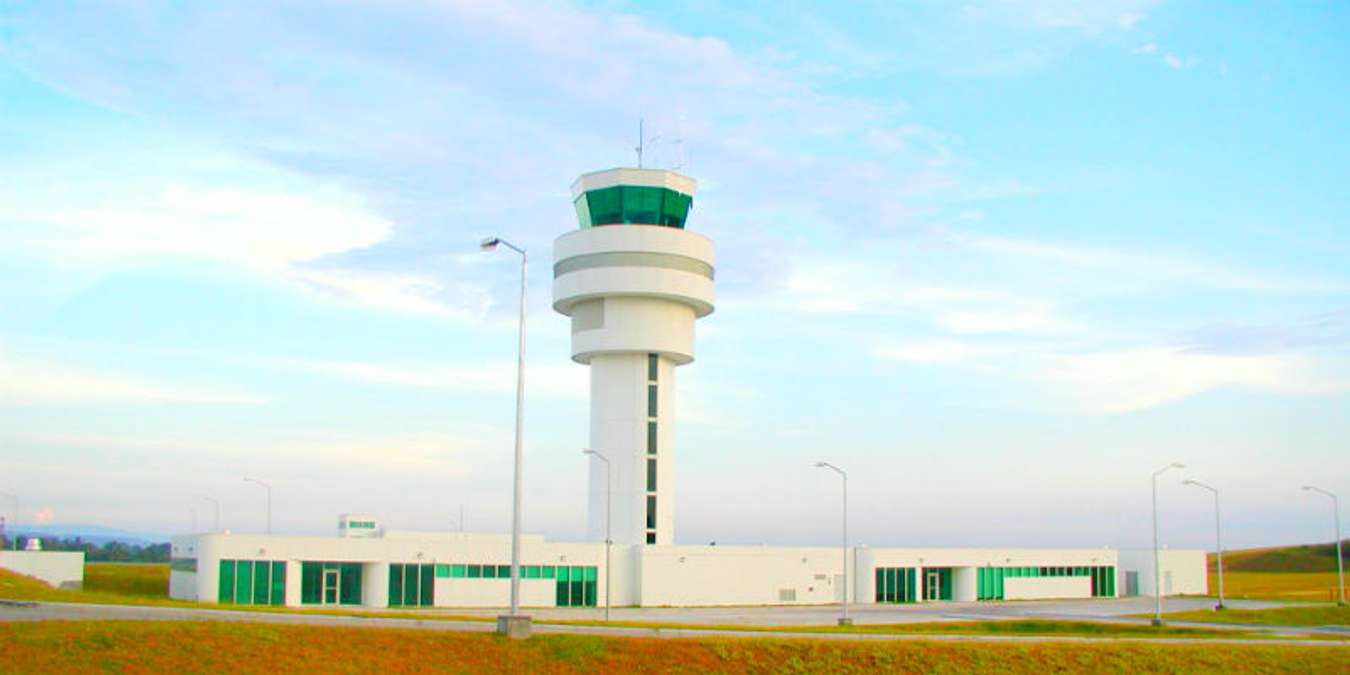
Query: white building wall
{"points": [[1040, 588], [737, 575], [1184, 571], [62, 569]]}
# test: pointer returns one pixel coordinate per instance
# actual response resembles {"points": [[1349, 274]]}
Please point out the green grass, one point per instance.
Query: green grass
{"points": [[1305, 558], [1295, 586], [1307, 615]]}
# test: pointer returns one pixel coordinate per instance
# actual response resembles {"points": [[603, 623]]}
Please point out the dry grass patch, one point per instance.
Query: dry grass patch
{"points": [[1305, 615]]}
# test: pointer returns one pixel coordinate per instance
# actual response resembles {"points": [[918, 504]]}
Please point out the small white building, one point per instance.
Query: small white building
{"points": [[62, 569], [426, 569]]}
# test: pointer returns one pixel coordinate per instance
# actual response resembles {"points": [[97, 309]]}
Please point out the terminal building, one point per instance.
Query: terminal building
{"points": [[633, 281]]}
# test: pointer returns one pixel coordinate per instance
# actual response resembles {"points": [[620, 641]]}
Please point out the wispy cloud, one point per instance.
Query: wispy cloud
{"points": [[27, 381], [1148, 266], [1136, 379], [554, 381]]}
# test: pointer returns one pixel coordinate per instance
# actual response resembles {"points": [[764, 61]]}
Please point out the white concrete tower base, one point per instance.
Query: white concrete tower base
{"points": [[619, 430]]}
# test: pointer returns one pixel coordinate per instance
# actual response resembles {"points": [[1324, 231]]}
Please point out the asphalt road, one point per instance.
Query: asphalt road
{"points": [[70, 611]]}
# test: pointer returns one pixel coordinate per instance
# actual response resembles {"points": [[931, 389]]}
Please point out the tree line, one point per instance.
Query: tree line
{"points": [[112, 551]]}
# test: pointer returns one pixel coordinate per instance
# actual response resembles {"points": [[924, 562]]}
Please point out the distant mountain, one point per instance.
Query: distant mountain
{"points": [[1304, 558], [94, 534]]}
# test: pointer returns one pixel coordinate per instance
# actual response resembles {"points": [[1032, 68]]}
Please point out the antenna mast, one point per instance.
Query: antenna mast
{"points": [[639, 145]]}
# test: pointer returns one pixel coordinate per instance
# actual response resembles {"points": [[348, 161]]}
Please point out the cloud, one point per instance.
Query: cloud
{"points": [[560, 381], [935, 351], [44, 516], [1141, 378], [1152, 267], [33, 381], [1148, 48]]}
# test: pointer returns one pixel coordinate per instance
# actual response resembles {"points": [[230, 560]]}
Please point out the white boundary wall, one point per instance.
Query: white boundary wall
{"points": [[62, 569]]}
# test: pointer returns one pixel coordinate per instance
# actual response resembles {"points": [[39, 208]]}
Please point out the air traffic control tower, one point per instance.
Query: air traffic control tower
{"points": [[633, 280]]}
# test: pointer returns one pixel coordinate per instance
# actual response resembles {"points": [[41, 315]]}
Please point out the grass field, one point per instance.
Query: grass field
{"points": [[152, 647], [1303, 586], [146, 580], [1310, 615], [1305, 558]]}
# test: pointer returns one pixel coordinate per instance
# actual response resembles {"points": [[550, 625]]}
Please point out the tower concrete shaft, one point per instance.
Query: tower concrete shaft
{"points": [[633, 281]]}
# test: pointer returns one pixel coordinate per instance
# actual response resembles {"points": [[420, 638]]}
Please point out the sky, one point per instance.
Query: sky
{"points": [[999, 260]]}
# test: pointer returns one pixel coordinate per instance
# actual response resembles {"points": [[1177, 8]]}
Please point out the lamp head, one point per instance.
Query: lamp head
{"points": [[1307, 487], [820, 465], [1188, 482], [1178, 465], [489, 243], [587, 451]]}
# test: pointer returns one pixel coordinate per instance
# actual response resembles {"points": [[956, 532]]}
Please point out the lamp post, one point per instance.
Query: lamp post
{"points": [[269, 500], [14, 516], [609, 540], [843, 620], [515, 625], [1218, 535], [1340, 568], [1157, 564], [216, 502]]}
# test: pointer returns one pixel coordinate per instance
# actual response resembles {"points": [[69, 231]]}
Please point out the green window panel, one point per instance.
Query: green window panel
{"points": [[311, 580], [349, 584], [548, 571], [475, 571], [651, 512], [395, 585], [442, 571], [262, 581], [564, 573], [652, 367], [278, 582], [503, 571], [529, 572], [428, 586], [459, 571], [582, 205], [651, 438], [226, 582], [489, 571], [651, 475], [243, 583], [651, 400]]}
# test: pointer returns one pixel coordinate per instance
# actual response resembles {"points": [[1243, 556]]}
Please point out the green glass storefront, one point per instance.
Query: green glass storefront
{"points": [[252, 582], [330, 583], [896, 584], [990, 580], [634, 205], [411, 585]]}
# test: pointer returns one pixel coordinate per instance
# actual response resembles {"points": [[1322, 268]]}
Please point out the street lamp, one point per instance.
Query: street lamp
{"points": [[216, 503], [1340, 569], [14, 515], [608, 539], [1218, 536], [269, 500], [843, 620], [513, 624], [1157, 564]]}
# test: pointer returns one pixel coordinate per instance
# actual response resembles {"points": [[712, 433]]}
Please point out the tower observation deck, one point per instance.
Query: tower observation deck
{"points": [[633, 281]]}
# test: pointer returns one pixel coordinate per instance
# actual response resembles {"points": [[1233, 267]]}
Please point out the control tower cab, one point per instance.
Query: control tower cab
{"points": [[633, 280]]}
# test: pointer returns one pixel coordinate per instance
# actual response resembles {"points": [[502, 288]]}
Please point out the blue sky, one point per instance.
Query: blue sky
{"points": [[1000, 260]]}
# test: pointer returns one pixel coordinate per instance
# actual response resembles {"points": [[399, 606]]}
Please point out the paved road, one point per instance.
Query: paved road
{"points": [[69, 611]]}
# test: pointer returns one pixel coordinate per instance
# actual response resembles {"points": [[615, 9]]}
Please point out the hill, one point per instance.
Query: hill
{"points": [[1304, 558]]}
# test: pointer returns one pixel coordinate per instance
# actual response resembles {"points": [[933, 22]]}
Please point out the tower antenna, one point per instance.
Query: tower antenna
{"points": [[639, 145]]}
